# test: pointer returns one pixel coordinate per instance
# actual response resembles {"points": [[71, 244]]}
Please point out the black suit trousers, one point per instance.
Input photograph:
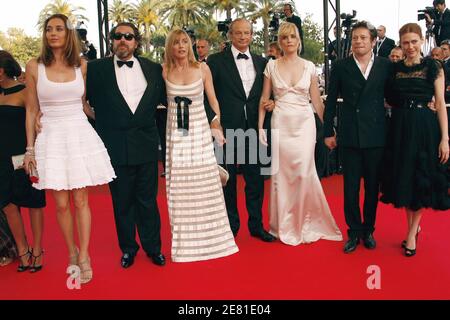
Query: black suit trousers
{"points": [[134, 193], [362, 163], [254, 193]]}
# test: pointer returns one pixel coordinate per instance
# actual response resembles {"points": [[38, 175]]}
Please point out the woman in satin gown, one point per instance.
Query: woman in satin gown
{"points": [[299, 212]]}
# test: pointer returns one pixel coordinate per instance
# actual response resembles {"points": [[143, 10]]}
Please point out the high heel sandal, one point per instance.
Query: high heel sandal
{"points": [[22, 267], [404, 241], [412, 252], [35, 268], [85, 270]]}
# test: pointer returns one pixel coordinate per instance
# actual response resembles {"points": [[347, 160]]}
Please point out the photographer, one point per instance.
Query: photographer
{"points": [[290, 17], [441, 22], [87, 49]]}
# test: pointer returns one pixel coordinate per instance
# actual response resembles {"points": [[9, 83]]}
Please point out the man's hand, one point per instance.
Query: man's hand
{"points": [[37, 123], [330, 142], [428, 18], [269, 105]]}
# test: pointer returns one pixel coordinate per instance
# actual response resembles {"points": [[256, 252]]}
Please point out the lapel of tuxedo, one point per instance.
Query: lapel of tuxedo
{"points": [[259, 66], [151, 85], [230, 65], [355, 72], [110, 74]]}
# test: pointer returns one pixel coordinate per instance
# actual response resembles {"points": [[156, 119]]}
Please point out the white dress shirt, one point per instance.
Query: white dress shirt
{"points": [[369, 66], [131, 82], [246, 69]]}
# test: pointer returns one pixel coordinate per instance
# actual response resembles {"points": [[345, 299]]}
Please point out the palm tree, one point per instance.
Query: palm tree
{"points": [[227, 6], [209, 31], [64, 7], [120, 11], [263, 9], [146, 14], [184, 13]]}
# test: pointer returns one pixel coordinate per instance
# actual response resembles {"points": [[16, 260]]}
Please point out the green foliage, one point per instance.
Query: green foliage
{"points": [[313, 38], [22, 47]]}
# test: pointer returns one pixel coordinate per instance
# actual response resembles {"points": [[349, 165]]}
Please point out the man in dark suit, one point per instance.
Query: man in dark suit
{"points": [[238, 80], [125, 91], [360, 81], [384, 44], [291, 17], [441, 23]]}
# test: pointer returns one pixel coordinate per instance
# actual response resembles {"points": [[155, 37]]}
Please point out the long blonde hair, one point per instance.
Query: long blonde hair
{"points": [[286, 28], [169, 60]]}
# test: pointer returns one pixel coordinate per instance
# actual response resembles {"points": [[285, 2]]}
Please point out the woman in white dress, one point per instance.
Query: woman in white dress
{"points": [[198, 217], [299, 212], [67, 152]]}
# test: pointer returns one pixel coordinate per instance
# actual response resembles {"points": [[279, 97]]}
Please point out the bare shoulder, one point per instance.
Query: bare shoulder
{"points": [[32, 64]]}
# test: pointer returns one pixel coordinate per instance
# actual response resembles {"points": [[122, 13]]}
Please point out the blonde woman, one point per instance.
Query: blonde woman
{"points": [[299, 212], [198, 217]]}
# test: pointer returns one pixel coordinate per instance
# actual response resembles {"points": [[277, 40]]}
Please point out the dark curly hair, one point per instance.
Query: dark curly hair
{"points": [[10, 66], [137, 35]]}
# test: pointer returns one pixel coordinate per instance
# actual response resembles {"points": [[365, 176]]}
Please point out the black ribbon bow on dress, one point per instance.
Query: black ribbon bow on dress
{"points": [[183, 120], [129, 64]]}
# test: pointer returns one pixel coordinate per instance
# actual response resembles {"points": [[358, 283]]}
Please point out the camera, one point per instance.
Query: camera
{"points": [[224, 26], [431, 11], [274, 24], [190, 32], [348, 19]]}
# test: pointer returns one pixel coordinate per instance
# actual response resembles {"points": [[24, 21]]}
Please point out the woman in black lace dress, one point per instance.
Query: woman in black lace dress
{"points": [[15, 187], [417, 147]]}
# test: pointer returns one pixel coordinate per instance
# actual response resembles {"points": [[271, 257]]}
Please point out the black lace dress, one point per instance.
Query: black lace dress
{"points": [[413, 177]]}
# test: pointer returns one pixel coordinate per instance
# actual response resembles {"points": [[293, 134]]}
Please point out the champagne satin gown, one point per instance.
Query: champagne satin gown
{"points": [[299, 211]]}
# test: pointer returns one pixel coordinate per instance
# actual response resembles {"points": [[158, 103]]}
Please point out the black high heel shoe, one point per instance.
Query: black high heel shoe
{"points": [[22, 267], [35, 268], [404, 241], [412, 252]]}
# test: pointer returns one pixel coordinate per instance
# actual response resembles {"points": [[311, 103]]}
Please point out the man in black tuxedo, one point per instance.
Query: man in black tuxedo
{"points": [[441, 23], [238, 80], [384, 44], [125, 91], [360, 81]]}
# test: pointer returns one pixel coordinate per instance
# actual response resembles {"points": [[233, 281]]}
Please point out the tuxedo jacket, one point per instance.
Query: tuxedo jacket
{"points": [[441, 27], [230, 91], [385, 48], [131, 139], [361, 122]]}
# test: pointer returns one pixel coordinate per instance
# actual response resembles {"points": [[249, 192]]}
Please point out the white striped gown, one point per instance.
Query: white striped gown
{"points": [[197, 212]]}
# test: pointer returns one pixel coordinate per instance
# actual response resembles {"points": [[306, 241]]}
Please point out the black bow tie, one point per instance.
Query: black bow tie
{"points": [[129, 64], [242, 56], [183, 120]]}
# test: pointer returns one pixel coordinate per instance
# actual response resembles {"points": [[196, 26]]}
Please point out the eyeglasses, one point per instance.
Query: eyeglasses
{"points": [[128, 36]]}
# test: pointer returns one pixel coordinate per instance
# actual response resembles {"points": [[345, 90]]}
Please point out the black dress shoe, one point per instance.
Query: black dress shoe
{"points": [[264, 236], [157, 258], [127, 260], [369, 241], [351, 245]]}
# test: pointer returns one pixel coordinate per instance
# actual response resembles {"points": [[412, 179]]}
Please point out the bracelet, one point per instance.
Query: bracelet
{"points": [[29, 153]]}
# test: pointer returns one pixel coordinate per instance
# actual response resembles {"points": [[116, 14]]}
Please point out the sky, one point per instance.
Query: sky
{"points": [[390, 13]]}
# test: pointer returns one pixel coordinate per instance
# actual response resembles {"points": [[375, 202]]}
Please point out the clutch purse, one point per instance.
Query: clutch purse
{"points": [[224, 175], [17, 161]]}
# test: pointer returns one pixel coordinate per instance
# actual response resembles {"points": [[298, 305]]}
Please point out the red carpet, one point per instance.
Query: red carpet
{"points": [[259, 271]]}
